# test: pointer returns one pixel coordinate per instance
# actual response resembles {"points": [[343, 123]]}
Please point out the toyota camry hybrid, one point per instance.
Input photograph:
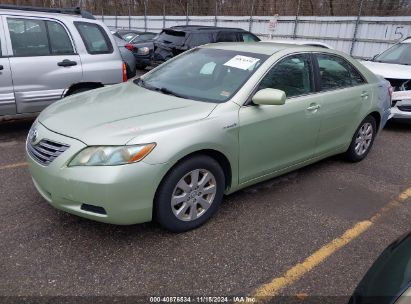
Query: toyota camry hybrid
{"points": [[211, 121]]}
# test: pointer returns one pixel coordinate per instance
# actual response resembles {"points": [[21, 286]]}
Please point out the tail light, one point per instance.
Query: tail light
{"points": [[129, 47], [124, 72], [390, 90]]}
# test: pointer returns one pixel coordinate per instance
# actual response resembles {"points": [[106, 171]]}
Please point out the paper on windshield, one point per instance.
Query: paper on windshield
{"points": [[241, 62]]}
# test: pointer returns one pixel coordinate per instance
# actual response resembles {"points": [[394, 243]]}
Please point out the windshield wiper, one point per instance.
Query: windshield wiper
{"points": [[166, 91], [169, 92]]}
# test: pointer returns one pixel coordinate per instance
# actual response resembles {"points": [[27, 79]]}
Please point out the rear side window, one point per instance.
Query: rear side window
{"points": [[226, 37], [95, 38], [198, 39], [172, 37], [31, 37], [336, 73]]}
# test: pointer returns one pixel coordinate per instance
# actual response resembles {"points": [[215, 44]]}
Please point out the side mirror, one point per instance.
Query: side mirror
{"points": [[269, 97]]}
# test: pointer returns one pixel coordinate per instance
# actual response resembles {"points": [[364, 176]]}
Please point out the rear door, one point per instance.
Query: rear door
{"points": [[44, 62], [344, 92], [7, 101]]}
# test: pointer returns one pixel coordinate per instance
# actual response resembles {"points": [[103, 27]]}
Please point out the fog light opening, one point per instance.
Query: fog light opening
{"points": [[94, 209]]}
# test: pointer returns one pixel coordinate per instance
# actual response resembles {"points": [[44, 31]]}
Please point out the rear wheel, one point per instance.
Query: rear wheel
{"points": [[190, 194], [362, 140]]}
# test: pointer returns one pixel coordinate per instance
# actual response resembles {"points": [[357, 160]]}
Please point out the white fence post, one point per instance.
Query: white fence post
{"points": [[357, 24]]}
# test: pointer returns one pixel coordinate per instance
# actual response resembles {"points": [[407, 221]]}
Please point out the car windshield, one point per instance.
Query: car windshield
{"points": [[398, 54], [210, 75]]}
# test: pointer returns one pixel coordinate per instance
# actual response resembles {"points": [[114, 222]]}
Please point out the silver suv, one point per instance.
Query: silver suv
{"points": [[47, 54]]}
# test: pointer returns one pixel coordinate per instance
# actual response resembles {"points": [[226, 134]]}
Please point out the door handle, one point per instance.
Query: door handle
{"points": [[313, 107], [66, 63], [1, 68], [364, 95]]}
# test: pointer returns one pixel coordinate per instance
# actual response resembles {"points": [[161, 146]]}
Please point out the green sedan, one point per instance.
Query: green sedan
{"points": [[216, 119]]}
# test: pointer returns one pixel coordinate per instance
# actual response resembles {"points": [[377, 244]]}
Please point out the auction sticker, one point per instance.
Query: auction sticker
{"points": [[241, 62], [400, 95]]}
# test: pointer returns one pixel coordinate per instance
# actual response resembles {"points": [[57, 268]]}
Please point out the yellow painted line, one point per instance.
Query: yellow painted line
{"points": [[11, 166], [405, 195], [269, 290]]}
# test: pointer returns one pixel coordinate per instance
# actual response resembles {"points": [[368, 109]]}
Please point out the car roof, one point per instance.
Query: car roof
{"points": [[266, 48], [54, 15], [201, 28], [300, 42], [129, 31]]}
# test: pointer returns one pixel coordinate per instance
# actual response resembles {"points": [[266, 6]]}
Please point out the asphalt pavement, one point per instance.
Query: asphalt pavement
{"points": [[258, 234]]}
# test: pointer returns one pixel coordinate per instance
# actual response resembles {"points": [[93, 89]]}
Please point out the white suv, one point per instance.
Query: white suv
{"points": [[46, 54], [395, 65]]}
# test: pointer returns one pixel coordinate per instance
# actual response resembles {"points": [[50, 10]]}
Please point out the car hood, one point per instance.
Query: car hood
{"points": [[389, 70], [117, 114]]}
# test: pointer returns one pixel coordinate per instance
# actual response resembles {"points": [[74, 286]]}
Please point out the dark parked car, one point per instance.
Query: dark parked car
{"points": [[142, 47], [177, 39], [388, 281]]}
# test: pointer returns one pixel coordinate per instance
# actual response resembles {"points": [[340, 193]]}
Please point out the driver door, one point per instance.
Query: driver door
{"points": [[272, 137]]}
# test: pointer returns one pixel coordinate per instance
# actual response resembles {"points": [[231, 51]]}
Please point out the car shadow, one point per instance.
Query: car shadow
{"points": [[398, 125]]}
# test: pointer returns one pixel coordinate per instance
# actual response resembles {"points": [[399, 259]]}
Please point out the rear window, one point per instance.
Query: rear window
{"points": [[172, 37], [94, 37]]}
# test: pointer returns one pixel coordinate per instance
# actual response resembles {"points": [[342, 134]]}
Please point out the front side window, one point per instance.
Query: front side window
{"points": [[28, 37], [210, 75], [291, 75], [95, 38], [31, 37], [336, 73]]}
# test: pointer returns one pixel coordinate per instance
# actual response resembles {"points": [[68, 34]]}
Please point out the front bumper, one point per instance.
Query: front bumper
{"points": [[125, 192], [401, 110]]}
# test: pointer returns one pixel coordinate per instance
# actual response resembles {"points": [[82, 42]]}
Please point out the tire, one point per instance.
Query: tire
{"points": [[173, 205], [362, 140]]}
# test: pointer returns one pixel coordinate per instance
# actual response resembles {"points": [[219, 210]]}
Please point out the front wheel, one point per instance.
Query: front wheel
{"points": [[190, 194], [362, 140]]}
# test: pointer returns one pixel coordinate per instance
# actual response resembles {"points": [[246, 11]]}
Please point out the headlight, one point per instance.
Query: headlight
{"points": [[143, 51], [111, 155]]}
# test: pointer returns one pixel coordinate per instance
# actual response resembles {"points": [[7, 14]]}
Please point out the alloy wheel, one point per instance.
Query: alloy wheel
{"points": [[193, 195], [364, 139]]}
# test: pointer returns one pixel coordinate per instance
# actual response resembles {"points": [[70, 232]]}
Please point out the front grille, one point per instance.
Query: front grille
{"points": [[405, 108], [45, 151]]}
